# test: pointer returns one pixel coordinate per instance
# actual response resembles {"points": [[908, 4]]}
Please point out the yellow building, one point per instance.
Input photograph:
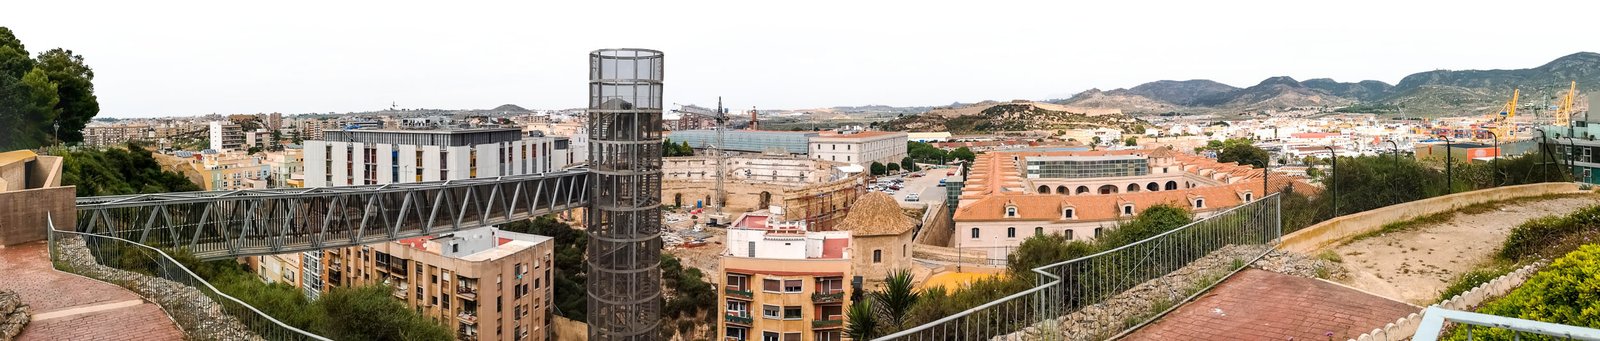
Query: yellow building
{"points": [[783, 282]]}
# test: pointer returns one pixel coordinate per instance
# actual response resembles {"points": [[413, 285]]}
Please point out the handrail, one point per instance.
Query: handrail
{"points": [[1434, 317], [1054, 280], [50, 222]]}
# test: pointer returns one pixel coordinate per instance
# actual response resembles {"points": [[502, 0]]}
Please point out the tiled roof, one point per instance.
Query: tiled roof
{"points": [[876, 214]]}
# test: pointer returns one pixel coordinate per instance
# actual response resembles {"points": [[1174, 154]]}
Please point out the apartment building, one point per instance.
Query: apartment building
{"points": [[101, 135], [232, 170], [861, 148], [484, 284], [382, 156], [783, 282], [225, 136], [287, 168]]}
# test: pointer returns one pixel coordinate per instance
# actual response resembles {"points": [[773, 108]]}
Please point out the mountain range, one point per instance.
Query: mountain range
{"points": [[1431, 93]]}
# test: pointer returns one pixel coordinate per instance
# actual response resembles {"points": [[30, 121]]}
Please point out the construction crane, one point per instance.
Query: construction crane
{"points": [[1564, 116], [1504, 126], [721, 118]]}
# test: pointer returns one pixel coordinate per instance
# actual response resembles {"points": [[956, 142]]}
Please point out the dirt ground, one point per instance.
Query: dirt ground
{"points": [[1415, 266], [702, 257]]}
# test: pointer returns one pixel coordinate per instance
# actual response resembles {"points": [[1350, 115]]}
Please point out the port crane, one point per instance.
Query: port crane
{"points": [[1564, 115], [1503, 128]]}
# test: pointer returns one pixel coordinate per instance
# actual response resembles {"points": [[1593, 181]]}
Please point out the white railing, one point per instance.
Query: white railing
{"points": [[1495, 327]]}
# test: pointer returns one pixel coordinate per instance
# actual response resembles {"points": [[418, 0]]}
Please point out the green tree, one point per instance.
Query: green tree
{"points": [[369, 313], [894, 167], [1046, 249], [1096, 140], [907, 164], [1153, 221], [571, 274], [1131, 141], [862, 321], [879, 169], [895, 300], [965, 154], [1242, 152], [27, 98], [75, 86]]}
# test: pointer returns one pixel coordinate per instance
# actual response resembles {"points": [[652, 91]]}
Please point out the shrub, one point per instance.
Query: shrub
{"points": [[1472, 279], [1532, 236], [1563, 293]]}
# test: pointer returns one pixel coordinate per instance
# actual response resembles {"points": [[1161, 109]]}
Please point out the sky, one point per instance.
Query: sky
{"points": [[161, 58]]}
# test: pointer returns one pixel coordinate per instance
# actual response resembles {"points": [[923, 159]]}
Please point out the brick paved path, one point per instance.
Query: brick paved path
{"points": [[1262, 305], [70, 307]]}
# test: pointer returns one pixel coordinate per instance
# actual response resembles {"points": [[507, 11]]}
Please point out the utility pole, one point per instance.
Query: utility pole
{"points": [[1334, 180]]}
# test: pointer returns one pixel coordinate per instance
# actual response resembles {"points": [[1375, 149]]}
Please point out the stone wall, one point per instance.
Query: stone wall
{"points": [[1406, 327], [821, 204], [13, 315], [1332, 231], [194, 311], [22, 213]]}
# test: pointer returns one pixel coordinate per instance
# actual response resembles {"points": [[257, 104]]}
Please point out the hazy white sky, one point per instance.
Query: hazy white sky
{"points": [[154, 58]]}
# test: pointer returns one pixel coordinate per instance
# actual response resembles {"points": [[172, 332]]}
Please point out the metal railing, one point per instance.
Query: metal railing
{"points": [[1086, 286], [1496, 327], [124, 255]]}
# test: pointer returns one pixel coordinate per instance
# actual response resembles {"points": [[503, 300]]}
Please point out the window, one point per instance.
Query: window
{"points": [[1068, 233], [1069, 213], [740, 308], [1097, 231], [1038, 230], [1128, 209], [1011, 211], [1011, 232], [974, 232], [772, 285], [455, 248], [791, 313], [877, 256], [770, 311], [1199, 203], [832, 335], [1247, 197], [793, 285], [769, 336], [738, 282], [791, 337]]}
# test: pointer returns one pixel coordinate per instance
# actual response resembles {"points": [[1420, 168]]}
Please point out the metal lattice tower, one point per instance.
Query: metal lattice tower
{"points": [[624, 218]]}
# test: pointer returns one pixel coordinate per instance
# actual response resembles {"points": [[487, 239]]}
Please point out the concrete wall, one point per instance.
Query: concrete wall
{"points": [[1330, 232], [22, 213]]}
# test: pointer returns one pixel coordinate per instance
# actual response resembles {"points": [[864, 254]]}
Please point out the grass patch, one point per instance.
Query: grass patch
{"points": [[1486, 207], [1329, 255], [1473, 278], [1436, 218]]}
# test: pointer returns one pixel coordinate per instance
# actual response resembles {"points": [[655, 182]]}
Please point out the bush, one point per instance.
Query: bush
{"points": [[1472, 279], [1563, 293], [1534, 235]]}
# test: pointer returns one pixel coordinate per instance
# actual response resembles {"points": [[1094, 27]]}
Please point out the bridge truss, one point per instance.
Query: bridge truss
{"points": [[227, 224]]}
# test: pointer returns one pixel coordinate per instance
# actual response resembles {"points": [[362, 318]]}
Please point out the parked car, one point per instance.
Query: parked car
{"points": [[941, 182], [913, 197]]}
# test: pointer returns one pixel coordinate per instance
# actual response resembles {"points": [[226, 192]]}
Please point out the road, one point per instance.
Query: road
{"points": [[927, 187]]}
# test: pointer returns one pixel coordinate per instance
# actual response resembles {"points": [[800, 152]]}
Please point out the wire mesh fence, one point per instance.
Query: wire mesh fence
{"points": [[1098, 296], [159, 278]]}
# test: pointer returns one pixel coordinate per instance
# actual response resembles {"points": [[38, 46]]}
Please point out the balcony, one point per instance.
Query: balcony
{"points": [[745, 294], [739, 318], [826, 324], [468, 319], [464, 336], [827, 298], [467, 293]]}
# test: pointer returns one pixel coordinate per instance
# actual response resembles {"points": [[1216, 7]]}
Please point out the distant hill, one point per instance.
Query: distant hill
{"points": [[1431, 93], [509, 108], [1013, 116]]}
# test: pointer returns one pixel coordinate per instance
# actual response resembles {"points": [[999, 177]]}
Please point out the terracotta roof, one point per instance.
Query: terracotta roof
{"points": [[1048, 207], [876, 214]]}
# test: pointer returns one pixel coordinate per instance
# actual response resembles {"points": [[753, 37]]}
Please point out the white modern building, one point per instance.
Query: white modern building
{"points": [[861, 148], [225, 136], [382, 156]]}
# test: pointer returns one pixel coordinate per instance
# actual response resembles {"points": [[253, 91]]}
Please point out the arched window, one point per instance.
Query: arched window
{"points": [[1038, 230], [1152, 187], [1069, 213], [1108, 189], [1133, 188], [1044, 189], [1011, 211], [1062, 190], [1083, 189], [877, 256], [974, 232], [1127, 209], [1068, 233], [1011, 232], [1172, 185]]}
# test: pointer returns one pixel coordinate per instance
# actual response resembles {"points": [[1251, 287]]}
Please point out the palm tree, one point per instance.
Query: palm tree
{"points": [[863, 324], [896, 299]]}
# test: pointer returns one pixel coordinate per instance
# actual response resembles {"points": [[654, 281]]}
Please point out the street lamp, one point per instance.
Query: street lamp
{"points": [[1494, 163], [1396, 151], [1449, 180], [1543, 145], [1334, 181]]}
